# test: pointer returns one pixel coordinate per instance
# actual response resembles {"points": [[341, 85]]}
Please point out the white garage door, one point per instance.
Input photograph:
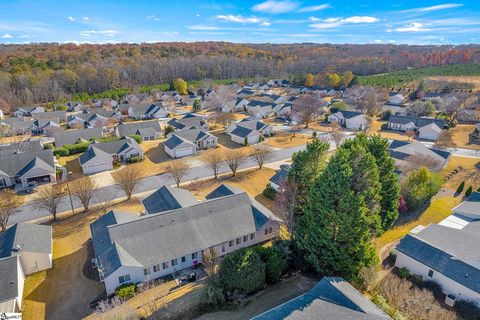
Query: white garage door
{"points": [[183, 152], [97, 167]]}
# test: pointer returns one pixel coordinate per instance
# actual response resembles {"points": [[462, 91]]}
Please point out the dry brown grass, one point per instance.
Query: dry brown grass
{"points": [[287, 140], [72, 164], [461, 136], [320, 126], [457, 82], [376, 127], [466, 173]]}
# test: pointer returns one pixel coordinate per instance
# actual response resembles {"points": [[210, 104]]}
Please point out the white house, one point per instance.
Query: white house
{"points": [[187, 142], [147, 130], [25, 249], [350, 119], [251, 131], [27, 111], [397, 99], [143, 112], [100, 156], [133, 249], [188, 121], [427, 128], [260, 109], [430, 132], [401, 151], [279, 177], [448, 252]]}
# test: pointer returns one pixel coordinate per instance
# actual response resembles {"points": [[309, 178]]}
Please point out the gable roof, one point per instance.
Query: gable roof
{"points": [[27, 146], [400, 150], [280, 175], [145, 109], [72, 136], [57, 115], [349, 114], [331, 298], [131, 128], [448, 251], [222, 191], [192, 135], [13, 164], [167, 198], [187, 122], [26, 237], [418, 122], [8, 279], [93, 152], [469, 208]]}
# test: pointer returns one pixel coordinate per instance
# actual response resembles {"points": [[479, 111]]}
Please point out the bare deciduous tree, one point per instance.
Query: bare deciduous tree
{"points": [[445, 140], [234, 158], [416, 161], [177, 169], [214, 159], [210, 261], [151, 301], [286, 202], [223, 118], [127, 178], [223, 95], [49, 198], [307, 108], [369, 100], [19, 143], [9, 203], [336, 134], [262, 154], [410, 134], [83, 188]]}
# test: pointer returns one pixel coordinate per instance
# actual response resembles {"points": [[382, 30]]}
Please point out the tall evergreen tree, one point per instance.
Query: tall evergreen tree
{"points": [[307, 165], [334, 230]]}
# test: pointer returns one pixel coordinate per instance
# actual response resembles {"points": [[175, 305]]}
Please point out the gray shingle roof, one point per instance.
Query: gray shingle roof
{"points": [[350, 114], [27, 146], [173, 142], [26, 237], [128, 129], [402, 149], [418, 122], [154, 238], [280, 176], [12, 164], [222, 191], [469, 208], [332, 299], [448, 251], [93, 152], [167, 198], [192, 135], [58, 115], [8, 279], [72, 136], [187, 122]]}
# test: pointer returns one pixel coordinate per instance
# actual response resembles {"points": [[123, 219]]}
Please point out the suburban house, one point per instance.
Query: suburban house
{"points": [[188, 142], [354, 120], [168, 198], [279, 177], [447, 252], [260, 109], [45, 126], [24, 249], [134, 249], [101, 155], [21, 147], [402, 150], [55, 116], [73, 136], [147, 130], [143, 112], [106, 103], [248, 130], [22, 168], [74, 106], [427, 128], [98, 118], [137, 98], [396, 99], [170, 95], [27, 111], [278, 83], [188, 121], [238, 105], [331, 298], [245, 93]]}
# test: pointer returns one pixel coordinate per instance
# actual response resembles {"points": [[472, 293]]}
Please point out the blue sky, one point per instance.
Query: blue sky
{"points": [[274, 21]]}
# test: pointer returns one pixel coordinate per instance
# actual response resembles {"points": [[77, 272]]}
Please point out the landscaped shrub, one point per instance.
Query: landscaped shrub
{"points": [[275, 262], [242, 270], [135, 159], [467, 310], [61, 152], [420, 186], [402, 205], [212, 293], [48, 146], [269, 192], [386, 115], [169, 129], [245, 141], [77, 147], [137, 138], [126, 291], [460, 187], [383, 304], [469, 191], [403, 273], [314, 134]]}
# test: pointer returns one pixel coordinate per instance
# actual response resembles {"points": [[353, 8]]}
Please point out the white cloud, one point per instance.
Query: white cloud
{"points": [[70, 18], [242, 19], [86, 18], [331, 23], [377, 41], [154, 18], [197, 15], [6, 36], [276, 7], [108, 33], [435, 8], [413, 27], [314, 8], [201, 27], [314, 19]]}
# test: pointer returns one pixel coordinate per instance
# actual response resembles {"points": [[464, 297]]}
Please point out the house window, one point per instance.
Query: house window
{"points": [[2, 183], [156, 268], [223, 247], [124, 278], [268, 230], [194, 255], [165, 265], [245, 238], [230, 243], [183, 259], [239, 240], [430, 273], [174, 262], [146, 271], [252, 236]]}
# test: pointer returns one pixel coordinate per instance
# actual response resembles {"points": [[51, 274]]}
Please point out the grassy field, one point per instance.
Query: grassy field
{"points": [[461, 136], [286, 140]]}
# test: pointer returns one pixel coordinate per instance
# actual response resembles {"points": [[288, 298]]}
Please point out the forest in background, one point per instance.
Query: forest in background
{"points": [[38, 73]]}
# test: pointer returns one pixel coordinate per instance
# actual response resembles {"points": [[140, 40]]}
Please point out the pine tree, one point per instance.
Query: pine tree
{"points": [[460, 187], [334, 230]]}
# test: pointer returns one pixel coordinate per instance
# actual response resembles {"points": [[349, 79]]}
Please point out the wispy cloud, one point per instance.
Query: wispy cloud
{"points": [[242, 19], [314, 8], [70, 18], [435, 8], [276, 7], [202, 27], [6, 36], [413, 27], [153, 17], [331, 23], [108, 33]]}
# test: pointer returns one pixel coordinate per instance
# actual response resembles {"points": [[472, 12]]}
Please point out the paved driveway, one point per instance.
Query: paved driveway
{"points": [[102, 179]]}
